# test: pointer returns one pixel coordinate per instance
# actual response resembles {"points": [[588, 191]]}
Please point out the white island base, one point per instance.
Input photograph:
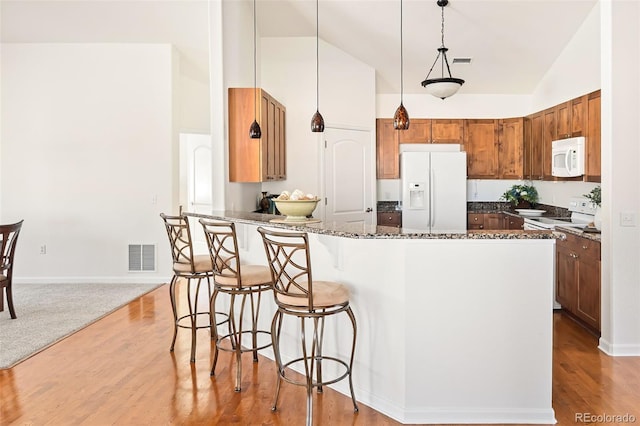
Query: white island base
{"points": [[449, 330]]}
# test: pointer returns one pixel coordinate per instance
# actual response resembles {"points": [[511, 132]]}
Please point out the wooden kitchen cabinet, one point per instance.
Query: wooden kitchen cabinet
{"points": [[511, 148], [493, 221], [475, 220], [387, 154], [571, 118], [592, 150], [494, 148], [256, 160], [548, 135], [390, 219], [425, 130], [578, 279], [421, 130], [481, 142], [512, 222]]}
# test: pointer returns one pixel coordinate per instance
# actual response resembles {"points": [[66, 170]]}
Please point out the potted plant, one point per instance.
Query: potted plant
{"points": [[596, 198], [521, 196]]}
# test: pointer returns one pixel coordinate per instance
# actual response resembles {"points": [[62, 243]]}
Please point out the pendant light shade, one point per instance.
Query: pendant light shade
{"points": [[401, 117], [317, 122], [444, 86], [254, 131]]}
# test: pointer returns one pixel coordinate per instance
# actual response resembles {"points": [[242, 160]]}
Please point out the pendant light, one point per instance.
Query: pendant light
{"points": [[401, 117], [254, 131], [442, 87], [317, 122]]}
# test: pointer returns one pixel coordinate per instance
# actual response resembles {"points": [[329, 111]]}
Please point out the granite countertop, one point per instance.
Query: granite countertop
{"points": [[352, 230], [594, 236]]}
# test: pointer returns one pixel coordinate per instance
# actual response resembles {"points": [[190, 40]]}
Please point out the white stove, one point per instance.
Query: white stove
{"points": [[582, 213]]}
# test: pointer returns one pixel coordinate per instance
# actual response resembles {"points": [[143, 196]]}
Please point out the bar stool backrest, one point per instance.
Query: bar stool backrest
{"points": [[8, 238], [223, 246], [180, 241], [290, 264]]}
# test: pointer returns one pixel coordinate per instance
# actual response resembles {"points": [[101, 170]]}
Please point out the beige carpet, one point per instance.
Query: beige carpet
{"points": [[49, 312]]}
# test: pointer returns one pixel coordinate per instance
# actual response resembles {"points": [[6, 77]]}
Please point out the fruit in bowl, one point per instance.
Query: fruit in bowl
{"points": [[296, 206]]}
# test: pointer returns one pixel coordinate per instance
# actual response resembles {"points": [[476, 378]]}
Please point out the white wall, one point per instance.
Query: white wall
{"points": [[87, 157], [620, 177]]}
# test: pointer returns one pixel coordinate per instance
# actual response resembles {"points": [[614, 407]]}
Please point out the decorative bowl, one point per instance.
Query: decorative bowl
{"points": [[296, 210]]}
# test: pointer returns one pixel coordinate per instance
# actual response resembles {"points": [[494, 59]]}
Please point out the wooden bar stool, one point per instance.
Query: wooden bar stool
{"points": [[8, 239], [297, 295], [235, 279], [188, 266]]}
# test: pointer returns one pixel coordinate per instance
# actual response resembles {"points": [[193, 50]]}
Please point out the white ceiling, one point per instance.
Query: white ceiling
{"points": [[512, 43]]}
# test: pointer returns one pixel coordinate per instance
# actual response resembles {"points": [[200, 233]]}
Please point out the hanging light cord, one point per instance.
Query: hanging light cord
{"points": [[255, 78], [317, 59], [442, 26], [401, 58]]}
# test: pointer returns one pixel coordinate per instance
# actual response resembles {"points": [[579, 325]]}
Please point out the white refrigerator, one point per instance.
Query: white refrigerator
{"points": [[434, 189]]}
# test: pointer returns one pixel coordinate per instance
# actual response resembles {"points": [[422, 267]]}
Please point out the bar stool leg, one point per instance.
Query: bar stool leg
{"points": [[192, 317], [319, 356], [353, 351], [276, 328], [172, 297], [214, 330]]}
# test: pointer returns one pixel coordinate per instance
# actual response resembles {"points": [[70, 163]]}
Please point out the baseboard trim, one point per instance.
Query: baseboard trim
{"points": [[613, 349], [133, 279]]}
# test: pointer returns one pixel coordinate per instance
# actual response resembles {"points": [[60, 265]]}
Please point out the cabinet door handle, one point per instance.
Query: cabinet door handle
{"points": [[585, 247]]}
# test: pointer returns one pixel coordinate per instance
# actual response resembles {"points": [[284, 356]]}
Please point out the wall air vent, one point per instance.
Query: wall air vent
{"points": [[461, 61], [142, 257]]}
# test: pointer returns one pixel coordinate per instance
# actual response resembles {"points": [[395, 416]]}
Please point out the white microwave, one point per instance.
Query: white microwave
{"points": [[567, 157]]}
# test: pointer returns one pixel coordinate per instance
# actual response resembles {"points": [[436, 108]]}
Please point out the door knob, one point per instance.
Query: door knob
{"points": [[369, 209]]}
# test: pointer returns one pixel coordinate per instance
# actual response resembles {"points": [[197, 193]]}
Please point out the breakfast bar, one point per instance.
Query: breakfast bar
{"points": [[452, 328]]}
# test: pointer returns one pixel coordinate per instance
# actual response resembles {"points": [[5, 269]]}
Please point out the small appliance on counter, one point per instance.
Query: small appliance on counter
{"points": [[266, 204], [582, 214]]}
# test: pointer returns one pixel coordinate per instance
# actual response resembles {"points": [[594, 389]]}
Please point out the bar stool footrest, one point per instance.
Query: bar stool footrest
{"points": [[323, 359]]}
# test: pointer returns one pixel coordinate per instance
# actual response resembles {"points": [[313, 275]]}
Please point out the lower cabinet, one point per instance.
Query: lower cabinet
{"points": [[493, 221], [578, 279], [390, 219]]}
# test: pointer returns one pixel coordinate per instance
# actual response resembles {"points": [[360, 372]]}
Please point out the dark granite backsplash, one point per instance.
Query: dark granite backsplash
{"points": [[501, 206], [388, 206], [484, 207]]}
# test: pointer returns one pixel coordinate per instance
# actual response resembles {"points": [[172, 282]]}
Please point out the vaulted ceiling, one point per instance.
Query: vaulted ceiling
{"points": [[511, 43]]}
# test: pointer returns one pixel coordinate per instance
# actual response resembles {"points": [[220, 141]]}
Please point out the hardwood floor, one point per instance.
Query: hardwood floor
{"points": [[118, 371]]}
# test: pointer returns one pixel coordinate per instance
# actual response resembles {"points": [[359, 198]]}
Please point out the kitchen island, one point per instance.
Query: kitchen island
{"points": [[452, 328]]}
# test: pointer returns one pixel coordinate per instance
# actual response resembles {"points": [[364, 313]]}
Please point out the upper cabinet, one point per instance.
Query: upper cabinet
{"points": [[420, 131], [593, 154], [494, 148], [577, 117], [387, 155], [509, 148], [425, 130], [481, 143], [256, 160]]}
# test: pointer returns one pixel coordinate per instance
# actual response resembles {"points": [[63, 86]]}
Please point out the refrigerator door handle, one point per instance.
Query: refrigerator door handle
{"points": [[432, 197]]}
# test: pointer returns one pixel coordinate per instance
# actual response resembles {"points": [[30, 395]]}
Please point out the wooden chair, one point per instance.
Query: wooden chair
{"points": [[8, 238], [233, 278], [188, 266], [298, 295]]}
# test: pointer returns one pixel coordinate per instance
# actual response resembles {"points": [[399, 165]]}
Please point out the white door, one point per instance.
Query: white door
{"points": [[348, 176], [195, 181], [198, 172]]}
